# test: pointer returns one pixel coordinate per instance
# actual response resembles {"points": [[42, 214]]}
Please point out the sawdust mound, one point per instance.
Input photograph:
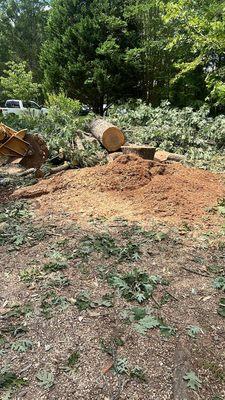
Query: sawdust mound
{"points": [[128, 172], [132, 186]]}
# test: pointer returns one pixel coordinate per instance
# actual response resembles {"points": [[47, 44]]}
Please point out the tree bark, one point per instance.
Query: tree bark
{"points": [[107, 134]]}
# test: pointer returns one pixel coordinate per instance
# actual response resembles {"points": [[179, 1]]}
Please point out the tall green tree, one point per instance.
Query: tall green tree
{"points": [[18, 83], [85, 52], [197, 39], [155, 62], [22, 27]]}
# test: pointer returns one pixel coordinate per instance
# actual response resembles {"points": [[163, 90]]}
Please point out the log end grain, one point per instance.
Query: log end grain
{"points": [[113, 139]]}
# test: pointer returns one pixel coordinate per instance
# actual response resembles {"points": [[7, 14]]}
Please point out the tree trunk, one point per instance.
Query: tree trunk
{"points": [[107, 134], [98, 107]]}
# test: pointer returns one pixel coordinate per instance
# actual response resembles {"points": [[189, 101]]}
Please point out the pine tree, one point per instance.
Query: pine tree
{"points": [[85, 52]]}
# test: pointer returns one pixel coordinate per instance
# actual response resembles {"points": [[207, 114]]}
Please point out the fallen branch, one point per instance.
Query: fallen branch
{"points": [[60, 168], [182, 359], [175, 298], [195, 272], [26, 172]]}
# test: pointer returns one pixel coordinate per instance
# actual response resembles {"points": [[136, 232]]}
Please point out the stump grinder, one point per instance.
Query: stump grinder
{"points": [[23, 148]]}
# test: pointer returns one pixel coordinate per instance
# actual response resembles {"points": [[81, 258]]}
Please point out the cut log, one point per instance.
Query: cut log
{"points": [[162, 155], [108, 135], [26, 172], [60, 168], [146, 152]]}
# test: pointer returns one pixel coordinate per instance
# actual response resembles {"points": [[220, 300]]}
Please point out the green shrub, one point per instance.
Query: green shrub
{"points": [[61, 109], [60, 128]]}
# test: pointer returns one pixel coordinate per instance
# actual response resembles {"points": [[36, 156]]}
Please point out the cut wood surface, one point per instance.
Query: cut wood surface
{"points": [[146, 152], [108, 135], [162, 155]]}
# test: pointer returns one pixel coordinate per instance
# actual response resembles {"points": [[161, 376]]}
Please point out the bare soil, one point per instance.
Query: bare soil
{"points": [[163, 210]]}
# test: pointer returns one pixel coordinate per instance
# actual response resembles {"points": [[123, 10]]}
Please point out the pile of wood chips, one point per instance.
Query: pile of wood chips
{"points": [[132, 188]]}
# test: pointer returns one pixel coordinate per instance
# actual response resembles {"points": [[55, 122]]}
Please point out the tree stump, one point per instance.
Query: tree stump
{"points": [[146, 152], [107, 134]]}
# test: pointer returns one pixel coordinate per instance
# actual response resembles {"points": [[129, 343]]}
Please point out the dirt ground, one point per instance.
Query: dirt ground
{"points": [[68, 332]]}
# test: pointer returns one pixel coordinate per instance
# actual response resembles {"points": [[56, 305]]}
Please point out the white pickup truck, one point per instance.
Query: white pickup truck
{"points": [[19, 107]]}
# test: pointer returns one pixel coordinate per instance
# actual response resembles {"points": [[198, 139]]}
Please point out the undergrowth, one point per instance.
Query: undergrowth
{"points": [[186, 131], [193, 133]]}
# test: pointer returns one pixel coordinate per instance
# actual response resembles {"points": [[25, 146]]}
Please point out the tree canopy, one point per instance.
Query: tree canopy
{"points": [[18, 82], [22, 31], [109, 51]]}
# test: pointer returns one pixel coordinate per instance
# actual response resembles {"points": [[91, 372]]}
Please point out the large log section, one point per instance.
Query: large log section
{"points": [[109, 135]]}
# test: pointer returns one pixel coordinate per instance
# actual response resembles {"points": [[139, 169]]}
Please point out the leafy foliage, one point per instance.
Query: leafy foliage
{"points": [[83, 301], [18, 83], [219, 283], [193, 382], [18, 230], [29, 275], [9, 379], [138, 373], [22, 345], [221, 308], [60, 281], [99, 243], [106, 245], [121, 366], [135, 285], [197, 30], [51, 300], [62, 109], [73, 359], [54, 266], [138, 313], [167, 330], [45, 379], [92, 47], [146, 323], [150, 322], [17, 311], [22, 32], [183, 131], [193, 331]]}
